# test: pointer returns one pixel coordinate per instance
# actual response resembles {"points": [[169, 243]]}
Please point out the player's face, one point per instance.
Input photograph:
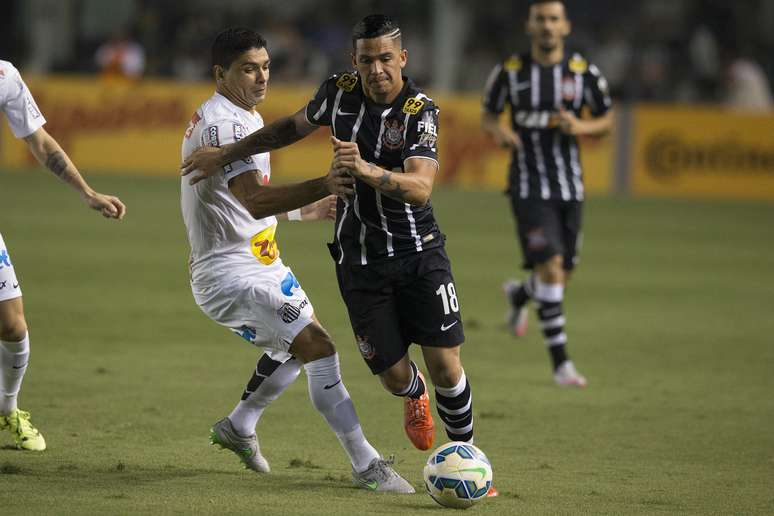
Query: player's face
{"points": [[548, 25], [247, 79], [380, 62]]}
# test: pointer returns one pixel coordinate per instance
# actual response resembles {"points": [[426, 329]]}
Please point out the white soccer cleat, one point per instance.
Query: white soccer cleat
{"points": [[567, 376], [381, 477], [517, 316], [222, 434]]}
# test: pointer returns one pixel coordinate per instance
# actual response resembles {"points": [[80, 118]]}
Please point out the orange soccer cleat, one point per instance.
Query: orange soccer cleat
{"points": [[418, 421], [492, 492]]}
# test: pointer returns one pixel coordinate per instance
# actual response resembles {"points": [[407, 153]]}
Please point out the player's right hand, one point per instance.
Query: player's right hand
{"points": [[109, 206], [507, 139], [339, 182], [206, 160]]}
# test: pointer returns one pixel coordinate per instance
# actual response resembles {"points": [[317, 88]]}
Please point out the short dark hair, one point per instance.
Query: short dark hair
{"points": [[230, 43], [373, 26], [538, 2]]}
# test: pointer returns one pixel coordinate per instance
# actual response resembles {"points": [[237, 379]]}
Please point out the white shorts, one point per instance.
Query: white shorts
{"points": [[9, 285], [263, 304]]}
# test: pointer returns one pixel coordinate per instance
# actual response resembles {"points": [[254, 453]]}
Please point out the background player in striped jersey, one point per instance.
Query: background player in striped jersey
{"points": [[546, 90], [27, 122], [392, 268], [238, 278]]}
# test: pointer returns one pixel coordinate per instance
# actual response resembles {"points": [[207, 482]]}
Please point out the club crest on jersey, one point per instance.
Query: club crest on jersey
{"points": [[392, 136], [366, 348], [347, 82], [513, 64], [577, 64], [568, 89], [413, 105]]}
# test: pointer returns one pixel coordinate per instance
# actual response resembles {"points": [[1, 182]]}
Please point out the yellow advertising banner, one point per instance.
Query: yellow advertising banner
{"points": [[138, 129], [702, 152]]}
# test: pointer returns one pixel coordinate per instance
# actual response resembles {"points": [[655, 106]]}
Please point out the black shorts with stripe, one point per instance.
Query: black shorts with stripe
{"points": [[395, 303], [547, 228]]}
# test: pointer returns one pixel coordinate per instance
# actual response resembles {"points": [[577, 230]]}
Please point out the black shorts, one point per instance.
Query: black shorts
{"points": [[548, 228], [396, 303]]}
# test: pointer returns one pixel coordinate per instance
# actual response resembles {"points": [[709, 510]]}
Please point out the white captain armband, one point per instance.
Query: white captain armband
{"points": [[295, 214]]}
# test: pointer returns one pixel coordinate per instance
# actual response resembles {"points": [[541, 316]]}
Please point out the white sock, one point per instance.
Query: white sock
{"points": [[331, 399], [14, 357], [248, 411]]}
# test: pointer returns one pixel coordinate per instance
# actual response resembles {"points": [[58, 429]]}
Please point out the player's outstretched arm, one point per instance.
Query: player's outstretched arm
{"points": [[280, 133], [502, 136], [324, 209], [413, 186], [48, 152], [265, 200]]}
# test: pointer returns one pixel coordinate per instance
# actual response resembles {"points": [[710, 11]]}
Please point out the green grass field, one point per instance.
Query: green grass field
{"points": [[670, 317]]}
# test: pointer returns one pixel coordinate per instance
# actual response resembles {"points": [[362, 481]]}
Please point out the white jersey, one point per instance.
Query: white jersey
{"points": [[223, 235], [17, 103]]}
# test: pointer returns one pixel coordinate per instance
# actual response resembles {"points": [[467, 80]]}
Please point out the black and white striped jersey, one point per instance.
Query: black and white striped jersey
{"points": [[548, 166], [372, 227]]}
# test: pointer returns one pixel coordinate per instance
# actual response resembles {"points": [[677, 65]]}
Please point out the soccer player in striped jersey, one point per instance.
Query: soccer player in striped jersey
{"points": [[392, 268], [546, 90], [27, 122], [238, 277]]}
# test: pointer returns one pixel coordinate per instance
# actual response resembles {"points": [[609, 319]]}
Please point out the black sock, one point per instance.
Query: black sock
{"points": [[522, 294], [552, 322], [417, 387], [456, 413]]}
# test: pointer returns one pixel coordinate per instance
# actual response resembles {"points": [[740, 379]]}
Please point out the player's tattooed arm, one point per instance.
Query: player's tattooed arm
{"points": [[56, 163], [387, 185], [413, 186], [48, 152], [280, 133]]}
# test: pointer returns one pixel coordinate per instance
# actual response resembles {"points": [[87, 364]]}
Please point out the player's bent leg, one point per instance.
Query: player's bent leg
{"points": [[549, 293], [331, 399], [14, 358], [453, 395], [405, 380], [517, 295]]}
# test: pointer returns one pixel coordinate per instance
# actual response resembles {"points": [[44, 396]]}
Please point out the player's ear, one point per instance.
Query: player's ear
{"points": [[403, 57], [218, 73], [567, 28], [354, 60]]}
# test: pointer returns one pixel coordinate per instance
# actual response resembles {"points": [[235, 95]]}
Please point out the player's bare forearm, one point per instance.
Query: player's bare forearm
{"points": [[278, 134], [265, 200], [48, 152], [600, 126], [410, 188]]}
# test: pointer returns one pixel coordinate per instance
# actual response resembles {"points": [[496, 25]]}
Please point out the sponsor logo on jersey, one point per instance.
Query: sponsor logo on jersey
{"points": [[577, 64], [428, 132], [264, 247], [195, 119], [5, 260], [536, 119], [513, 64], [2, 73], [246, 332], [536, 239], [366, 348], [32, 108], [289, 313], [288, 284], [213, 140], [347, 82], [568, 89], [413, 105], [239, 133], [392, 136]]}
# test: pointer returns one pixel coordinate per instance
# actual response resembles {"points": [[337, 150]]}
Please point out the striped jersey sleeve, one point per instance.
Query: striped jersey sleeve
{"points": [[422, 133], [496, 90], [597, 92]]}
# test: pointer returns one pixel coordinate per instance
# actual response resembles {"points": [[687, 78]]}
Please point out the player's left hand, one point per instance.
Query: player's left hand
{"points": [[347, 155], [569, 123], [324, 209], [111, 207]]}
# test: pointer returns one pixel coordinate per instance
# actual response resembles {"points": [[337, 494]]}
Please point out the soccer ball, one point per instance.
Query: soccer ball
{"points": [[458, 475]]}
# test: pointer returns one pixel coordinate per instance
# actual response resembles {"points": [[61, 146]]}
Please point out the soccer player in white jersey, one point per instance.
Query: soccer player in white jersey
{"points": [[26, 122], [238, 278]]}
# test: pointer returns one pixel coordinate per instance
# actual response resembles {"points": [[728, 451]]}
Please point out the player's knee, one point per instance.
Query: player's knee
{"points": [[447, 376], [13, 330], [313, 343], [552, 270], [396, 379]]}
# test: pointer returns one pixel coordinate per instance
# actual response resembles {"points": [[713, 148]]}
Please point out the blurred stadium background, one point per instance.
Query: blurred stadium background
{"points": [[669, 315]]}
